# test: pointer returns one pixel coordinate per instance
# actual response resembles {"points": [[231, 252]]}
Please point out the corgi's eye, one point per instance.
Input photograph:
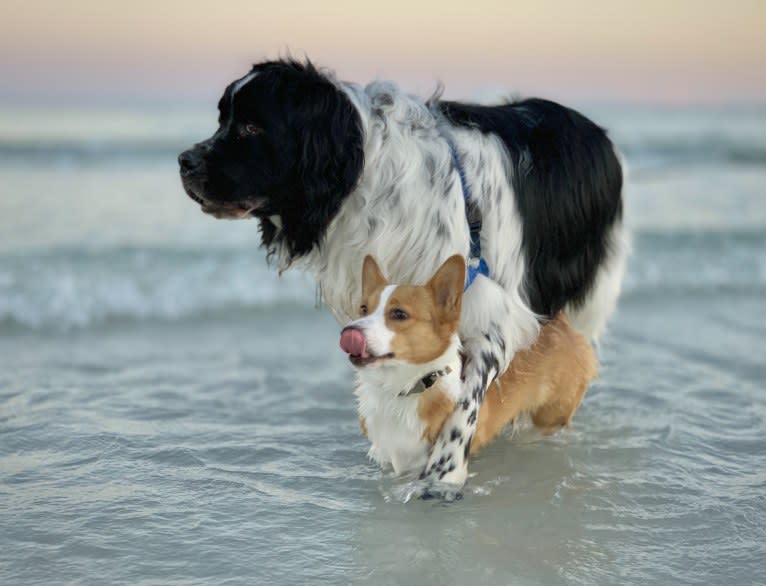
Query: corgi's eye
{"points": [[363, 310], [398, 315]]}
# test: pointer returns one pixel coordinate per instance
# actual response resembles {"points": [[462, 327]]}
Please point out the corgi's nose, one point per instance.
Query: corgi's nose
{"points": [[352, 342]]}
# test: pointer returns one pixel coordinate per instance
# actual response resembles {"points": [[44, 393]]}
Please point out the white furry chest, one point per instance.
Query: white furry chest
{"points": [[394, 428], [393, 422]]}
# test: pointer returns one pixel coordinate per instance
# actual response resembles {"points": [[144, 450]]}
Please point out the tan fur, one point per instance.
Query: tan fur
{"points": [[548, 381], [434, 407], [415, 340], [373, 283], [434, 311]]}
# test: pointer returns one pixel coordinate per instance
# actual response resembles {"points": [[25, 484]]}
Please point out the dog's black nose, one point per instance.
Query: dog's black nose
{"points": [[189, 162]]}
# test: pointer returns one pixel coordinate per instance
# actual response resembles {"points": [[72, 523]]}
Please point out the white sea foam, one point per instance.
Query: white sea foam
{"points": [[78, 289], [73, 288]]}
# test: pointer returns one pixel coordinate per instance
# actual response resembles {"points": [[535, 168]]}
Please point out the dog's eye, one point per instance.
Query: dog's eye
{"points": [[398, 315], [363, 310], [250, 130]]}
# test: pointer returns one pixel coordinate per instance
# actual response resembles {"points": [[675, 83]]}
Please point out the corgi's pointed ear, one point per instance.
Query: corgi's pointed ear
{"points": [[447, 286], [372, 277]]}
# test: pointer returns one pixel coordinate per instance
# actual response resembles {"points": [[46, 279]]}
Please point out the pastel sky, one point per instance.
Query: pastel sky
{"points": [[677, 51]]}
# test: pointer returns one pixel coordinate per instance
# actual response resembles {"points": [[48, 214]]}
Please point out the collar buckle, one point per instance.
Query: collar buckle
{"points": [[426, 382]]}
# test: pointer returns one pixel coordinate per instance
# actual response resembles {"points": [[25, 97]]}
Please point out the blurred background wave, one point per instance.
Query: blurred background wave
{"points": [[96, 103], [95, 226]]}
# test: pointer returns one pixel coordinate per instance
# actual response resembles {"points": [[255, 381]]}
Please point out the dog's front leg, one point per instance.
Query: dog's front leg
{"points": [[448, 461], [494, 325]]}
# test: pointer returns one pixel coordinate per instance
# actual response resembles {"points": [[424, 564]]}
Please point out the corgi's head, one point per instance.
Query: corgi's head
{"points": [[407, 323]]}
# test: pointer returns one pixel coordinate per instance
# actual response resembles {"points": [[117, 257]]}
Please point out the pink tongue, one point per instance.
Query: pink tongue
{"points": [[352, 342]]}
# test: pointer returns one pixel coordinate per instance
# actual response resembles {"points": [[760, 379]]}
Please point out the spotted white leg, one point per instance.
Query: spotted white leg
{"points": [[448, 461], [488, 351]]}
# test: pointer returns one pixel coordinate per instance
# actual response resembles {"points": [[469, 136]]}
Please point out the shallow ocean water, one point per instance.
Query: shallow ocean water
{"points": [[172, 412]]}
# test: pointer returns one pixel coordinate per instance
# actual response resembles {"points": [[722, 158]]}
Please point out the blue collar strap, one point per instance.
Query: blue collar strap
{"points": [[475, 267], [476, 264]]}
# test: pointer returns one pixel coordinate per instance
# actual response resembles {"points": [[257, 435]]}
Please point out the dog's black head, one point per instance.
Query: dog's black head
{"points": [[289, 144]]}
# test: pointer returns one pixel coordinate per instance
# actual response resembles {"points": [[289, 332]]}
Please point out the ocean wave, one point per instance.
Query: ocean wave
{"points": [[692, 262], [642, 151], [68, 289], [698, 150], [650, 158], [76, 288], [91, 151]]}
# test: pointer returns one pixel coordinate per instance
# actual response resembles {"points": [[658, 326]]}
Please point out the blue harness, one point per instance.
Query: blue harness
{"points": [[475, 265]]}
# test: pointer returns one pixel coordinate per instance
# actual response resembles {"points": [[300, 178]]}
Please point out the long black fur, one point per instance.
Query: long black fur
{"points": [[567, 181], [325, 132]]}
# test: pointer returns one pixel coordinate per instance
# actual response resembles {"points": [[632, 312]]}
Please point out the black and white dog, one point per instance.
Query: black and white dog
{"points": [[334, 171]]}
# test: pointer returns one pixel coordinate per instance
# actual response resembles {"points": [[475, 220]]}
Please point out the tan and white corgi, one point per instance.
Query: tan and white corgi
{"points": [[406, 351]]}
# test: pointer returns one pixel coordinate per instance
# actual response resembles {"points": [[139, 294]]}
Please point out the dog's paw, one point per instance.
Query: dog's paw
{"points": [[442, 492], [405, 492]]}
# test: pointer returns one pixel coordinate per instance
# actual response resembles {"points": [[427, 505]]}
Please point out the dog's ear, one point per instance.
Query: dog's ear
{"points": [[446, 286], [329, 157], [372, 277]]}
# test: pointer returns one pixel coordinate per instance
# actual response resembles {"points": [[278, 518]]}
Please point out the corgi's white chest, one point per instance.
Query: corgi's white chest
{"points": [[394, 429], [393, 422]]}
